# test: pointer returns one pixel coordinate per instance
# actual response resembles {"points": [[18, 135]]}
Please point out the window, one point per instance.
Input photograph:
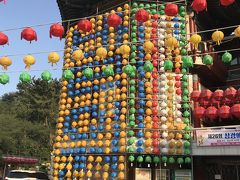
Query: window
{"points": [[162, 174]]}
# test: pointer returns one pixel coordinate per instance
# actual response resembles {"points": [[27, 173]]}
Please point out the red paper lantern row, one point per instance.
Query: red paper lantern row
{"points": [[199, 5], [29, 34], [171, 9], [114, 20], [142, 15], [3, 39], [218, 94], [211, 113], [56, 30], [19, 160], [224, 112]]}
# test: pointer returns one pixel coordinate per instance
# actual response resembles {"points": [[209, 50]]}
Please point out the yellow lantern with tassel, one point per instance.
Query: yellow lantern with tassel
{"points": [[125, 50], [101, 52], [29, 60], [237, 31], [5, 61], [77, 55], [217, 37], [53, 58], [148, 46], [195, 39], [171, 42]]}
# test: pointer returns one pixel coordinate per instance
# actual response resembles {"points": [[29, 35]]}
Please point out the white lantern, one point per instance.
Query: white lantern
{"points": [[163, 119], [178, 120], [161, 50], [164, 126], [164, 134], [163, 142]]}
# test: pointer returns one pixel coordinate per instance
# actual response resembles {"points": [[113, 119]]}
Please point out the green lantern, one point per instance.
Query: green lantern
{"points": [[184, 71], [187, 144], [187, 61], [171, 160], [132, 89], [186, 106], [180, 161], [184, 78], [108, 71], [226, 57], [156, 159], [139, 159], [148, 159], [186, 114], [131, 141], [208, 60], [88, 72], [186, 136], [131, 150], [131, 102], [132, 82], [130, 133], [132, 124], [187, 151], [186, 120], [25, 77], [183, 51], [188, 160], [46, 76], [132, 110], [168, 65], [164, 160], [131, 117], [148, 66], [131, 158], [67, 74], [4, 79], [128, 69], [187, 128]]}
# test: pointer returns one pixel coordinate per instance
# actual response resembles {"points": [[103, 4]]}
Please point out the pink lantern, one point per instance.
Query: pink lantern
{"points": [[171, 9], [230, 93], [226, 101], [195, 95], [211, 112], [206, 94], [218, 94], [235, 110], [204, 103], [224, 112]]}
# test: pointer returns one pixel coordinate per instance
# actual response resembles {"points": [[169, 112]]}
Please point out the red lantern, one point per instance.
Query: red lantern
{"points": [[155, 83], [154, 24], [226, 2], [199, 112], [156, 150], [204, 103], [155, 16], [154, 111], [177, 84], [171, 9], [29, 34], [195, 95], [155, 63], [142, 15], [56, 30], [113, 20], [155, 142], [206, 94], [235, 110], [178, 78], [226, 101], [211, 112], [3, 39], [154, 103], [155, 135], [84, 25], [178, 91], [218, 94], [199, 5], [224, 112], [155, 125], [230, 93]]}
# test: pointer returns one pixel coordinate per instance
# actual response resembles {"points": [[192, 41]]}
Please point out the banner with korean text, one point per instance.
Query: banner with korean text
{"points": [[220, 137]]}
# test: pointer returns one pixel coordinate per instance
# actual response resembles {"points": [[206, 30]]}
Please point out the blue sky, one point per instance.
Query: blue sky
{"points": [[23, 13]]}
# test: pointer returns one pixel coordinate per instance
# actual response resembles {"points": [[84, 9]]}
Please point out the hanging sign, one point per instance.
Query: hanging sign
{"points": [[226, 137]]}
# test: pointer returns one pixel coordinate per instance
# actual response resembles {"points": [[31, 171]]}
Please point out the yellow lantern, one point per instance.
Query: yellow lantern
{"points": [[148, 46], [237, 31], [81, 173], [101, 52], [68, 174], [89, 174], [195, 39], [125, 50], [5, 62], [105, 175], [53, 58], [171, 42], [217, 36], [29, 60], [77, 55]]}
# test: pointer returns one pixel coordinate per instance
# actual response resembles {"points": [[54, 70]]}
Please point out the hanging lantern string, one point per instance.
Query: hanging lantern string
{"points": [[76, 19]]}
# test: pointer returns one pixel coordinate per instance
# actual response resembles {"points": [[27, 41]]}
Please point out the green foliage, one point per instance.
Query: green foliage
{"points": [[27, 119]]}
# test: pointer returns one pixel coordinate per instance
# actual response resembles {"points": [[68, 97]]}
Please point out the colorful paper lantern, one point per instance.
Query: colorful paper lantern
{"points": [[195, 95], [56, 30], [142, 15], [235, 110], [128, 69], [108, 71], [5, 61], [113, 20], [29, 60], [168, 65], [199, 5], [46, 76], [199, 112], [195, 39], [226, 57], [171, 9], [84, 25], [217, 36], [208, 60], [125, 50], [187, 61], [148, 46], [171, 42], [211, 113], [67, 74], [77, 55], [25, 77], [4, 79], [148, 66], [226, 2], [101, 52], [88, 72], [29, 34], [230, 93], [53, 58], [3, 39], [218, 94], [224, 112]]}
